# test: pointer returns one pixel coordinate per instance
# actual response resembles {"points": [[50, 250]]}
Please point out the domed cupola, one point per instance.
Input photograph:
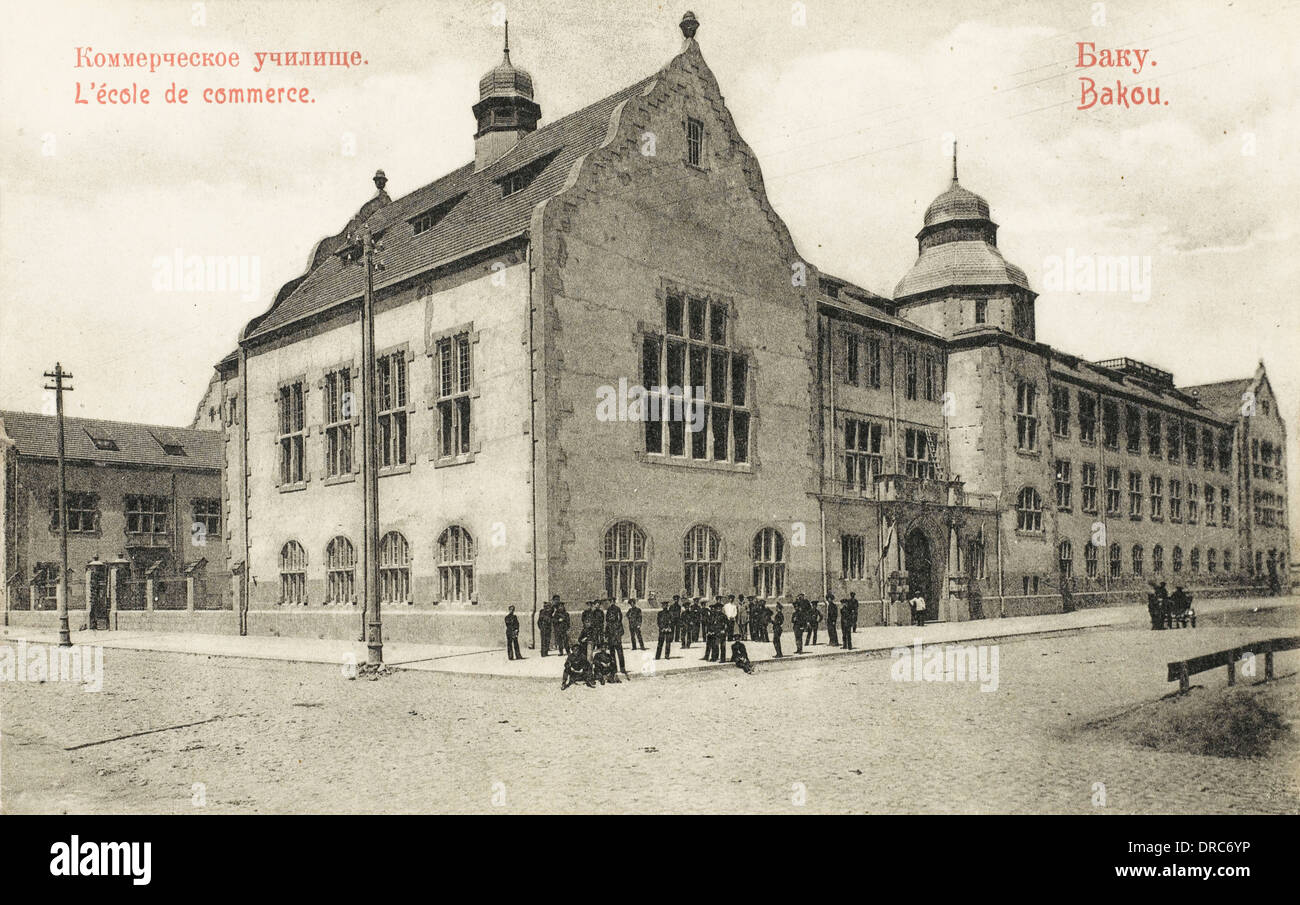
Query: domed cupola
{"points": [[960, 279], [505, 110]]}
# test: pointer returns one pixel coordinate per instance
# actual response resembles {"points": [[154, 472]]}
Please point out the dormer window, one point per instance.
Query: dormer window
{"points": [[108, 444], [173, 449], [434, 215], [515, 182]]}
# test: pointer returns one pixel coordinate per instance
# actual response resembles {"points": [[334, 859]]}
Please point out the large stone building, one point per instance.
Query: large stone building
{"points": [[839, 442], [145, 534]]}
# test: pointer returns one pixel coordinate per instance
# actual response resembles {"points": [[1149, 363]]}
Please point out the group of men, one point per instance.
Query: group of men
{"points": [[599, 654], [1165, 609]]}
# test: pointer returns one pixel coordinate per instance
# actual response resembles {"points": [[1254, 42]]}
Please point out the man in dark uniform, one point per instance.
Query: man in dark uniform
{"points": [[593, 627], [667, 626], [797, 620], [614, 633], [740, 657], [778, 621], [560, 625], [720, 623], [689, 623], [708, 620], [676, 620], [1153, 608], [814, 619], [634, 625], [544, 627], [512, 636], [832, 617], [1162, 604], [577, 668], [602, 666], [764, 621], [848, 614]]}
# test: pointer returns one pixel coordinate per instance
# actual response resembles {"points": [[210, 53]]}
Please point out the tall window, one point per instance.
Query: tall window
{"points": [[1157, 486], [1157, 558], [1173, 440], [769, 563], [981, 311], [391, 410], [1026, 415], [1207, 449], [976, 557], [1133, 428], [1175, 499], [713, 423], [83, 511], [339, 405], [1065, 559], [1135, 494], [293, 574], [1178, 559], [1090, 559], [694, 142], [292, 433], [1225, 458], [910, 373], [1211, 560], [862, 453], [1116, 560], [340, 571], [851, 349], [1189, 445], [1064, 487], [625, 561], [394, 569], [454, 380], [921, 453], [1211, 511], [1196, 560], [147, 514], [1110, 423], [1112, 491], [1227, 560], [1061, 411], [206, 512], [455, 565], [1193, 502], [1153, 433], [1225, 506], [933, 385], [1087, 418], [1088, 487], [702, 556], [1029, 510], [853, 557], [873, 362], [1137, 559]]}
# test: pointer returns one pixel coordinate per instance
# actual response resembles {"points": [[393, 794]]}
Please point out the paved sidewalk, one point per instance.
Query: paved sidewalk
{"points": [[493, 662]]}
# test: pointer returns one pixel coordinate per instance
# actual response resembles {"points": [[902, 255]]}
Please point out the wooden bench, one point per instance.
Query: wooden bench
{"points": [[1183, 670]]}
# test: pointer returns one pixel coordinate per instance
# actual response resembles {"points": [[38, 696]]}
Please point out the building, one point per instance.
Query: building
{"points": [[541, 309], [145, 525]]}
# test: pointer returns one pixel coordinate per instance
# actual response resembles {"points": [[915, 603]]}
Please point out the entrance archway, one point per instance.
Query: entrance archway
{"points": [[922, 578]]}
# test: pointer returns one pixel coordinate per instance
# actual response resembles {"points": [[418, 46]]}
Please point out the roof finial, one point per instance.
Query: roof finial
{"points": [[507, 40], [954, 161], [380, 180], [689, 25]]}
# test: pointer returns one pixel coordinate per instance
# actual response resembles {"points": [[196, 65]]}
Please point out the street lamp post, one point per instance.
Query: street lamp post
{"points": [[58, 375]]}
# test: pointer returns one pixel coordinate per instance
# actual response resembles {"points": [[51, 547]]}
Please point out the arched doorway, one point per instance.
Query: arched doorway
{"points": [[919, 562]]}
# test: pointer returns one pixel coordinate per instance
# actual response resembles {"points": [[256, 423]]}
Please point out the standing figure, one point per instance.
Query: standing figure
{"points": [[676, 620], [544, 627], [814, 618], [614, 634], [667, 625], [512, 636], [743, 611], [848, 613], [800, 623], [560, 625], [778, 621], [634, 625], [832, 616]]}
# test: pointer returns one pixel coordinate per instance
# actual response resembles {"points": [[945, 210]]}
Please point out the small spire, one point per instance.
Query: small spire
{"points": [[507, 40], [954, 161], [689, 25]]}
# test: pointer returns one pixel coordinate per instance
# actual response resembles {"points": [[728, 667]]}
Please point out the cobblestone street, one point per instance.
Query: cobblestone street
{"points": [[824, 735]]}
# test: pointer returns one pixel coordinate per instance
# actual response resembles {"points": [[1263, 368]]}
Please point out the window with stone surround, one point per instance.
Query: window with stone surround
{"points": [[1110, 423], [1175, 500], [921, 453], [1135, 494], [1153, 434], [1225, 508], [391, 409], [853, 557], [453, 360], [1173, 441], [456, 565], [1211, 509], [1156, 485], [862, 453], [206, 512], [1088, 487], [1026, 416], [1061, 411], [873, 362], [702, 561], [1157, 558], [339, 412], [1116, 561], [1193, 502], [1087, 418], [293, 574], [911, 377], [1133, 428], [626, 561], [1029, 511], [1065, 560], [146, 514], [1113, 495], [769, 563], [340, 571], [83, 511], [1064, 484], [1137, 560], [292, 437], [1189, 445], [1090, 560], [694, 142], [394, 568]]}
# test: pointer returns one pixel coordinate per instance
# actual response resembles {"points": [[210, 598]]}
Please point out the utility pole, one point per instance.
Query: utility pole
{"points": [[58, 375], [363, 250]]}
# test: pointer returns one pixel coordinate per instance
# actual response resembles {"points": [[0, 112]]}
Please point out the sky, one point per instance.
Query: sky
{"points": [[851, 108]]}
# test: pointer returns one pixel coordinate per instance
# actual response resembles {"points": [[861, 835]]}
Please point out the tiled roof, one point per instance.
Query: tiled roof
{"points": [[957, 203], [969, 262], [1222, 398], [1113, 381], [136, 444], [479, 219]]}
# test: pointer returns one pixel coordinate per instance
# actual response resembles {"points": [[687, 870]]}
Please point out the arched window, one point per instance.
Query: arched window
{"points": [[293, 574], [1157, 558], [1116, 560], [702, 556], [341, 571], [625, 561], [1178, 559], [1029, 510], [1065, 559], [1137, 559], [1196, 560], [1211, 560], [394, 569], [456, 565], [769, 563], [1090, 559]]}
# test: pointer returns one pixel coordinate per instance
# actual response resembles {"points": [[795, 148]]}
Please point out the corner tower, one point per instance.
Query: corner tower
{"points": [[960, 280], [505, 111]]}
